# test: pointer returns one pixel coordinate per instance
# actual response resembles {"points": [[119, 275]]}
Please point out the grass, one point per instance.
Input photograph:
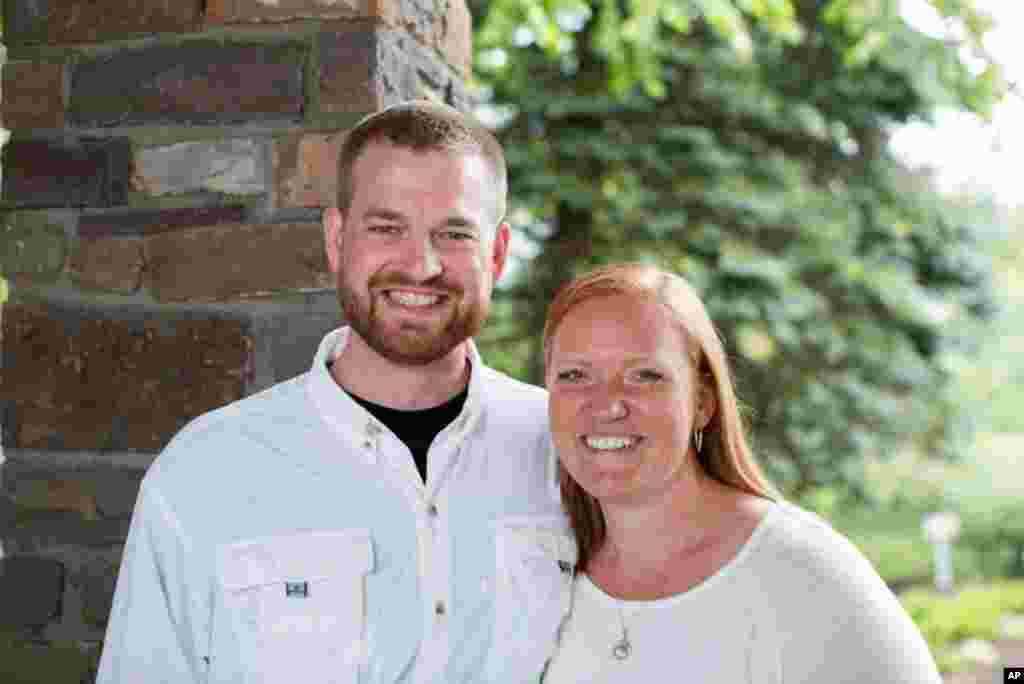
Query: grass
{"points": [[974, 612]]}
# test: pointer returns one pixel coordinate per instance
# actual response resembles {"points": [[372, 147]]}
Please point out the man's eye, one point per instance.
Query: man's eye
{"points": [[572, 375], [384, 229], [457, 235]]}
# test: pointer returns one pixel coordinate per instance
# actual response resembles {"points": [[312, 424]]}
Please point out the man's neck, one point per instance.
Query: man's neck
{"points": [[365, 373]]}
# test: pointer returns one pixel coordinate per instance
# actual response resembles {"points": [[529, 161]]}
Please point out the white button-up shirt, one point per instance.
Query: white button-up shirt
{"points": [[289, 538]]}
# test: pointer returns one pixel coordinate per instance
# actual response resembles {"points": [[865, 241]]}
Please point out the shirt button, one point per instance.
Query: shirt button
{"points": [[432, 510], [439, 609]]}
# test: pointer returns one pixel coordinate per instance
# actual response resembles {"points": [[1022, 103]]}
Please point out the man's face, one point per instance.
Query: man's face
{"points": [[418, 252]]}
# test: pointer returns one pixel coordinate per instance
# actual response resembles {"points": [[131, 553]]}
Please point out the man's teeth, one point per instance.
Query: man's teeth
{"points": [[413, 299], [610, 443]]}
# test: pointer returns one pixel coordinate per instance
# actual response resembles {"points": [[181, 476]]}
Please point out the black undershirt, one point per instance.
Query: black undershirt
{"points": [[417, 428]]}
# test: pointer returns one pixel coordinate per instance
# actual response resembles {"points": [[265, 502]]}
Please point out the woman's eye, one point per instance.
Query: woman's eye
{"points": [[649, 375], [571, 375]]}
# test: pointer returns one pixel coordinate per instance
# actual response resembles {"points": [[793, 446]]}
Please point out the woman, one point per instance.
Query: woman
{"points": [[690, 568]]}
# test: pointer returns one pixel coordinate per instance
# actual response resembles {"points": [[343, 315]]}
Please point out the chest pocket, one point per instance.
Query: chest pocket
{"points": [[296, 605], [535, 560]]}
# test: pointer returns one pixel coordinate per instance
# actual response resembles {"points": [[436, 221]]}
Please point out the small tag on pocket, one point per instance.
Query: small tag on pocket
{"points": [[296, 589]]}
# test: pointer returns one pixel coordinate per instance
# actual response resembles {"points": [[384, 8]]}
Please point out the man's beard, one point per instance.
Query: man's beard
{"points": [[411, 343]]}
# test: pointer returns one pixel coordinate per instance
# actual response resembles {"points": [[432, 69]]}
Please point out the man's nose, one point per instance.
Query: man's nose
{"points": [[421, 259]]}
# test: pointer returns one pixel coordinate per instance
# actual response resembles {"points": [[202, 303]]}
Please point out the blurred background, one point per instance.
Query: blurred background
{"points": [[839, 180]]}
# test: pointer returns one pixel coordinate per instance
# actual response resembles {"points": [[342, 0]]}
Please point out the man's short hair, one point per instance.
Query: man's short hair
{"points": [[422, 125]]}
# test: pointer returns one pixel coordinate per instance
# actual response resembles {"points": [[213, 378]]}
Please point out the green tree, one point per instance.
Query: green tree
{"points": [[743, 143]]}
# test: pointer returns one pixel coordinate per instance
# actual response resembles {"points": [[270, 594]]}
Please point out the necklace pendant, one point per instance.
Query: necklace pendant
{"points": [[622, 649]]}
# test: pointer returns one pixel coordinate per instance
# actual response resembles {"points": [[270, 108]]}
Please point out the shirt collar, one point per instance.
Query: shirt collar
{"points": [[354, 424]]}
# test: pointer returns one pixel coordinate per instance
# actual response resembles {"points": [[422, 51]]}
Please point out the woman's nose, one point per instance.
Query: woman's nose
{"points": [[612, 408]]}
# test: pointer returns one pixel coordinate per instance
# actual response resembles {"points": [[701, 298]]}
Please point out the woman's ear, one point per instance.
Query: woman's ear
{"points": [[707, 403]]}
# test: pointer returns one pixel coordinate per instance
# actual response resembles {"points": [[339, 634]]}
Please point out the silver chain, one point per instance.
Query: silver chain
{"points": [[623, 647]]}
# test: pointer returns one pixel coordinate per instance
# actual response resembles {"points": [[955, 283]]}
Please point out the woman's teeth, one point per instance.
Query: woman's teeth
{"points": [[609, 443]]}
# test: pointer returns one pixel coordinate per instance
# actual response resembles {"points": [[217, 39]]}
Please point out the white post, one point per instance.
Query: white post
{"points": [[941, 529]]}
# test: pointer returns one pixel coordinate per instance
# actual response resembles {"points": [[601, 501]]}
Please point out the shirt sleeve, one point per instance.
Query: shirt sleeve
{"points": [[152, 633]]}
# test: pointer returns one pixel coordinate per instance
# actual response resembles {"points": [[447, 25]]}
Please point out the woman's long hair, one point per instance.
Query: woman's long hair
{"points": [[725, 454]]}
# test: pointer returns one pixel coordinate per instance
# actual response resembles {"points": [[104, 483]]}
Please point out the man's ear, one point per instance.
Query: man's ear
{"points": [[333, 225], [499, 252]]}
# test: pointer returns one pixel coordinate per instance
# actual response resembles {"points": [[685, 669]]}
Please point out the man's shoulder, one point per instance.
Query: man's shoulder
{"points": [[503, 387], [513, 401], [253, 418]]}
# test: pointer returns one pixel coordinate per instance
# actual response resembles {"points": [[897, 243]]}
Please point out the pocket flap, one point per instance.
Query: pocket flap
{"points": [[551, 536], [300, 557]]}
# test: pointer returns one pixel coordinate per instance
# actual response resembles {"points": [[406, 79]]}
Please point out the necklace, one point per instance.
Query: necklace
{"points": [[623, 647]]}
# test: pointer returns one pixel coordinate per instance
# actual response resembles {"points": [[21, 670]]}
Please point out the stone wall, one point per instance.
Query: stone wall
{"points": [[159, 228]]}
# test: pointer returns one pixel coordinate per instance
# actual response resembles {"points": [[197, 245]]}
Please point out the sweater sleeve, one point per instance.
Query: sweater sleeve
{"points": [[152, 633]]}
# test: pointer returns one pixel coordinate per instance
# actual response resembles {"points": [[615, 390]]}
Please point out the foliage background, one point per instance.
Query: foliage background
{"points": [[743, 144]]}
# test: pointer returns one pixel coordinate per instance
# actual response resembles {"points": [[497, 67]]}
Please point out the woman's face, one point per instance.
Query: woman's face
{"points": [[623, 398]]}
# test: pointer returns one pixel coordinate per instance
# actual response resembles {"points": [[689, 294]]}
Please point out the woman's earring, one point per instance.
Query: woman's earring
{"points": [[698, 440]]}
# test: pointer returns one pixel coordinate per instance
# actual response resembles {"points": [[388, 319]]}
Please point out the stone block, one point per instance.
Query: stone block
{"points": [[142, 222], [95, 581], [67, 172], [91, 492], [365, 68], [235, 167], [196, 82], [33, 95], [61, 494], [31, 590], [224, 262], [39, 660], [457, 43], [25, 21], [444, 26], [259, 11], [88, 21], [306, 170], [32, 244], [454, 37], [116, 491], [48, 534], [8, 511], [78, 377], [110, 265], [293, 339], [362, 70]]}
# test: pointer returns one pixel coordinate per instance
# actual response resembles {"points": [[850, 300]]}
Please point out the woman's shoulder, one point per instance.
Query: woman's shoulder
{"points": [[799, 548]]}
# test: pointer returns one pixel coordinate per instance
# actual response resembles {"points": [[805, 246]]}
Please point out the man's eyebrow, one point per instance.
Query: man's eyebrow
{"points": [[382, 214], [460, 222]]}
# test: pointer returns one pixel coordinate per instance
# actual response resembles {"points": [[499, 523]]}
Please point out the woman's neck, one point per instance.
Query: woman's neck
{"points": [[660, 548]]}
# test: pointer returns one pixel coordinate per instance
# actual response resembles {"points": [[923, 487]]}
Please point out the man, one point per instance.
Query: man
{"points": [[390, 516]]}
